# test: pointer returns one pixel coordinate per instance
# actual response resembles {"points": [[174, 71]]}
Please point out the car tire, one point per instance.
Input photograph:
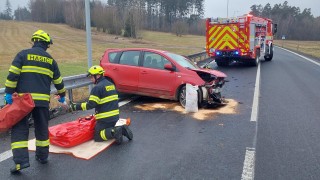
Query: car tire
{"points": [[182, 96]]}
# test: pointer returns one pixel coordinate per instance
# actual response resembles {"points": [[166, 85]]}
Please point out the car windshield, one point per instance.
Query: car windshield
{"points": [[182, 61]]}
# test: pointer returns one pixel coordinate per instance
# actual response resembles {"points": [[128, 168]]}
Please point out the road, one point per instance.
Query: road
{"points": [[279, 141]]}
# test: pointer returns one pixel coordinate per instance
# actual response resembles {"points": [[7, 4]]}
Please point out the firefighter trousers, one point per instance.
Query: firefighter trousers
{"points": [[103, 131], [20, 135]]}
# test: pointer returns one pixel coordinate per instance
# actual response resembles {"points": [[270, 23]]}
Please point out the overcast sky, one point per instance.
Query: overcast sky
{"points": [[218, 8]]}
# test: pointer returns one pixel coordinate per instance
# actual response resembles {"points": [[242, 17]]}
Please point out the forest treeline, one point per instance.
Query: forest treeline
{"points": [[129, 17], [292, 22]]}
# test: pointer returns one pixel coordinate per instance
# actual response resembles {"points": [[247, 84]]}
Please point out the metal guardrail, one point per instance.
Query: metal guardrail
{"points": [[198, 56], [72, 82]]}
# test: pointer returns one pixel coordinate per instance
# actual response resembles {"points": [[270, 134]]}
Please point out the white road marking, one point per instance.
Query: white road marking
{"points": [[248, 165], [308, 59], [5, 155], [255, 104], [8, 154]]}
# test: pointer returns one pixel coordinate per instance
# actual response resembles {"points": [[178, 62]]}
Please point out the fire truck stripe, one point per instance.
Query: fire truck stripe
{"points": [[217, 30], [229, 36], [225, 31], [212, 29]]}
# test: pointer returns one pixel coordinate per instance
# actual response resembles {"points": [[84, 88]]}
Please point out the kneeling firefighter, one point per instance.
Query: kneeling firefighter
{"points": [[104, 98]]}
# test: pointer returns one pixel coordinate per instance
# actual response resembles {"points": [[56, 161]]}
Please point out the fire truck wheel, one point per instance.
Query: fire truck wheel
{"points": [[222, 62], [269, 56], [255, 61]]}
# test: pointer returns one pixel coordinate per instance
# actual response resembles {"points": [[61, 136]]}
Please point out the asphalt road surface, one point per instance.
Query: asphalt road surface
{"points": [[269, 132]]}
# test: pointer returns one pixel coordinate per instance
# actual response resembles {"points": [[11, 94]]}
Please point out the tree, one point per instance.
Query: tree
{"points": [[22, 14], [180, 28], [130, 27], [7, 14]]}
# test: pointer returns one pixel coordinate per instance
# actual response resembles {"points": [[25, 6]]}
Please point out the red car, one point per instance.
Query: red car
{"points": [[160, 74]]}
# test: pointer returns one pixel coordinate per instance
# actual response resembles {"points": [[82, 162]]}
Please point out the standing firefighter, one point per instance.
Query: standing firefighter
{"points": [[32, 71], [104, 99]]}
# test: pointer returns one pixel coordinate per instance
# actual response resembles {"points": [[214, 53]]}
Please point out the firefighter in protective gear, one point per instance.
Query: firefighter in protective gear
{"points": [[32, 71], [104, 98]]}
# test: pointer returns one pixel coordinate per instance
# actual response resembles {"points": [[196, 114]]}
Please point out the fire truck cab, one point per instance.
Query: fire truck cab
{"points": [[244, 39]]}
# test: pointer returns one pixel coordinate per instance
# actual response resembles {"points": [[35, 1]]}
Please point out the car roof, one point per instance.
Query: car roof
{"points": [[136, 49]]}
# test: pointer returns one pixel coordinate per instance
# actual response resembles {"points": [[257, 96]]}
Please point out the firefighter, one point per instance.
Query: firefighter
{"points": [[32, 71], [104, 98]]}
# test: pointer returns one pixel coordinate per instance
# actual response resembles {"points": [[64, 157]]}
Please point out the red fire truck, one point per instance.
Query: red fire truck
{"points": [[243, 39]]}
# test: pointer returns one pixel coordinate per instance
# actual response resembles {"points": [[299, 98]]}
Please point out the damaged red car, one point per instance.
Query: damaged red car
{"points": [[161, 74]]}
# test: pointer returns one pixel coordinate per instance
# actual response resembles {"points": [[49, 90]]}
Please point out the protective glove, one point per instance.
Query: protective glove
{"points": [[62, 99], [72, 106], [8, 98]]}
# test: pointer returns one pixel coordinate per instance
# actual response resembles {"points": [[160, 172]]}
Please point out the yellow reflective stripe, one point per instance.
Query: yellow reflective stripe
{"points": [[94, 98], [19, 144], [103, 135], [62, 90], [38, 96], [12, 84], [39, 70], [42, 143], [84, 106], [57, 81], [109, 98], [107, 114], [14, 70]]}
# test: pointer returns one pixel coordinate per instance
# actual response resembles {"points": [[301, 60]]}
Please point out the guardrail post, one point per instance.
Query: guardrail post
{"points": [[70, 95]]}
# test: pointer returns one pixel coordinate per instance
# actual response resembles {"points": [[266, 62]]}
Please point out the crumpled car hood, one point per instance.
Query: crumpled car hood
{"points": [[211, 71]]}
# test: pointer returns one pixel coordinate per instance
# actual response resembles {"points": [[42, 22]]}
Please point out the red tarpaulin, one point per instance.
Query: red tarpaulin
{"points": [[11, 114], [72, 133]]}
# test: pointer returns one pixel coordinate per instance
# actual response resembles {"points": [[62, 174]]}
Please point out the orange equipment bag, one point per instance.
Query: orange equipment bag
{"points": [[11, 114], [72, 133]]}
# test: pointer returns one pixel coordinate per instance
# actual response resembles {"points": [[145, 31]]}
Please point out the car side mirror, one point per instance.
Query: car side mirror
{"points": [[169, 67]]}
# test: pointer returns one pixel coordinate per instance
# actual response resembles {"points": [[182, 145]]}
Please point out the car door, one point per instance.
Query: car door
{"points": [[154, 80], [126, 72]]}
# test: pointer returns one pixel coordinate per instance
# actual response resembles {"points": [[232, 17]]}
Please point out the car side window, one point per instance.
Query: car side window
{"points": [[130, 58], [112, 57], [153, 60]]}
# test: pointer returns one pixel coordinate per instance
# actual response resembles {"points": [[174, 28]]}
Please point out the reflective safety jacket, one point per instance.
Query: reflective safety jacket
{"points": [[104, 98], [32, 71]]}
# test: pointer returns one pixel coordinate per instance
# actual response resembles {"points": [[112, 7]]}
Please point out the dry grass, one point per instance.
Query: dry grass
{"points": [[69, 47], [311, 48]]}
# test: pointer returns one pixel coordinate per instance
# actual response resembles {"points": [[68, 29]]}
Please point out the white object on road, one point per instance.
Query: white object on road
{"points": [[191, 98]]}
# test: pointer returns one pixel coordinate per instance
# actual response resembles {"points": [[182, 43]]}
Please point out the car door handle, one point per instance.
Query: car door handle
{"points": [[144, 72], [114, 68]]}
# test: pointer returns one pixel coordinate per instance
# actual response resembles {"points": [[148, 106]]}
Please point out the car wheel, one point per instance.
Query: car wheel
{"points": [[200, 98], [182, 96]]}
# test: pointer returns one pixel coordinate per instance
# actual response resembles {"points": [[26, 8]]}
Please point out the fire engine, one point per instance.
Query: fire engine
{"points": [[244, 39]]}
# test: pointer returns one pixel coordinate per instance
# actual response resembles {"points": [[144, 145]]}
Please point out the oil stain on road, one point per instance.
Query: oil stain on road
{"points": [[207, 113]]}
